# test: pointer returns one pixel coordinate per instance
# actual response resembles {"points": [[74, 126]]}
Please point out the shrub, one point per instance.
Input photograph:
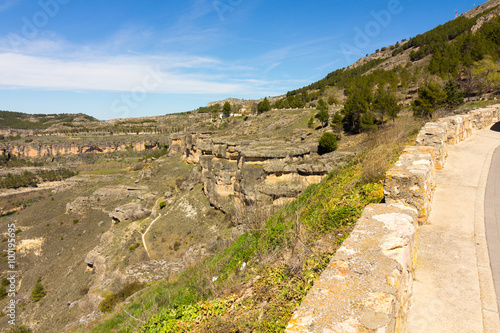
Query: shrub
{"points": [[20, 329], [310, 124], [75, 221], [327, 143], [111, 300], [163, 204], [38, 292]]}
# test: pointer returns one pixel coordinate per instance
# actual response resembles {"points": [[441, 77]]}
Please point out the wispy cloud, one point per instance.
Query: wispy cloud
{"points": [[111, 74], [6, 4]]}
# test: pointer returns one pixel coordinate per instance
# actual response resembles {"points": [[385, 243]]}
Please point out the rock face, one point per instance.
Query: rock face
{"points": [[32, 150], [239, 174]]}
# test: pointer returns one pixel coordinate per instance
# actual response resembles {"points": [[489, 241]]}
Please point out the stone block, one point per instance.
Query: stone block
{"points": [[412, 180], [366, 286]]}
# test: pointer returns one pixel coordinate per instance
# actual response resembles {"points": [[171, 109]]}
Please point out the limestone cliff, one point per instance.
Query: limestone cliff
{"points": [[35, 150], [238, 174]]}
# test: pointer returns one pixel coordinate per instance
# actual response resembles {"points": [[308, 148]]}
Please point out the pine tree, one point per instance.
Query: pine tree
{"points": [[226, 108], [430, 97], [38, 292], [454, 96]]}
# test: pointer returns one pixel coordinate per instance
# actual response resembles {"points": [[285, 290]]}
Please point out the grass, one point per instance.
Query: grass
{"points": [[280, 253], [105, 171]]}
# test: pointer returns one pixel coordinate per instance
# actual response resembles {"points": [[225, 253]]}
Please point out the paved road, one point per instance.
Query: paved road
{"points": [[492, 219], [453, 289]]}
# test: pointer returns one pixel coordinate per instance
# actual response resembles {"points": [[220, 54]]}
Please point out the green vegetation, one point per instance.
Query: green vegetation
{"points": [[20, 120], [327, 143], [264, 106], [454, 96], [430, 97], [163, 204], [111, 300], [38, 292], [20, 329], [190, 301], [323, 116], [226, 108], [211, 109], [27, 179], [11, 161]]}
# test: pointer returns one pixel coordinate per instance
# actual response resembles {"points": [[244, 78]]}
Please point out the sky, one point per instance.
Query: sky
{"points": [[131, 58]]}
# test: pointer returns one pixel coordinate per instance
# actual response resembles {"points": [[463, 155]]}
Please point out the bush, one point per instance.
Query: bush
{"points": [[111, 300], [163, 204], [38, 292], [310, 124], [20, 329], [75, 221], [327, 143]]}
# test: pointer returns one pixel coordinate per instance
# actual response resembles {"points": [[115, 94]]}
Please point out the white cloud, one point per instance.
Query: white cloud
{"points": [[161, 74]]}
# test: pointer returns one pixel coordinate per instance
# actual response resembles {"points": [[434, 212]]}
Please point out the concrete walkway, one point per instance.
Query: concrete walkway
{"points": [[453, 289]]}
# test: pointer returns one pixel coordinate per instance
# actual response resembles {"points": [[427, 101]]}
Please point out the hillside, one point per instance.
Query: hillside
{"points": [[210, 222]]}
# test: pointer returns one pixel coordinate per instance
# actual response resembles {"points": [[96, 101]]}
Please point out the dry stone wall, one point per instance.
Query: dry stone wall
{"points": [[368, 283]]}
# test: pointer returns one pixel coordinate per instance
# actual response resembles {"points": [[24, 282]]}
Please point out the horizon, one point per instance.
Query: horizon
{"points": [[67, 56]]}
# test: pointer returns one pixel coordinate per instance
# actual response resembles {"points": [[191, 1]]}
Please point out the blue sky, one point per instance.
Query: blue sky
{"points": [[131, 58]]}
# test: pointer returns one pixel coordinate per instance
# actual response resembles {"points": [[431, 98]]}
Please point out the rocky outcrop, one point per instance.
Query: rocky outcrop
{"points": [[237, 174], [129, 212], [34, 150]]}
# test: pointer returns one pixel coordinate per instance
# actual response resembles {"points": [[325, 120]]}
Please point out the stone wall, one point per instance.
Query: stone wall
{"points": [[368, 283]]}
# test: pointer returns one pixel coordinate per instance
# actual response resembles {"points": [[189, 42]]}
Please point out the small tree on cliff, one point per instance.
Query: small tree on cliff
{"points": [[38, 292]]}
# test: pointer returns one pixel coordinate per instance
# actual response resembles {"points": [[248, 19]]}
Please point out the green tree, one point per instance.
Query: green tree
{"points": [[384, 103], [264, 106], [327, 143], [38, 292], [357, 104], [310, 123], [226, 108], [337, 124], [332, 100], [430, 97], [485, 75], [323, 116], [454, 96], [367, 122]]}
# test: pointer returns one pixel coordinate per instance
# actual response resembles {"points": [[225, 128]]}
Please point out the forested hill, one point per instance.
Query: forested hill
{"points": [[432, 71]]}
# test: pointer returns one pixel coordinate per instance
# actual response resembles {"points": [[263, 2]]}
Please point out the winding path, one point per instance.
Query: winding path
{"points": [[150, 225]]}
